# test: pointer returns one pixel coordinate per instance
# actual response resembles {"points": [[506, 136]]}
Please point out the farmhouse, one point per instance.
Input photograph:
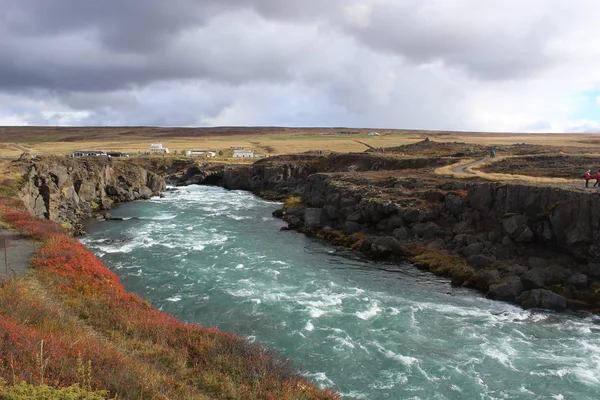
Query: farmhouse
{"points": [[87, 153], [158, 148], [243, 153], [201, 153], [373, 134]]}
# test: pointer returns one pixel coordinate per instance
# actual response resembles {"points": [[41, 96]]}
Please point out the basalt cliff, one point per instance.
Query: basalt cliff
{"points": [[67, 190], [534, 245]]}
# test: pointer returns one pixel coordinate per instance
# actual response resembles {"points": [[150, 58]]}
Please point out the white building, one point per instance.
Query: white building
{"points": [[87, 153], [242, 153], [158, 148], [201, 153], [373, 133]]}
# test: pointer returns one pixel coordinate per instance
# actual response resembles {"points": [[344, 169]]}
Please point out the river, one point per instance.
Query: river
{"points": [[370, 330]]}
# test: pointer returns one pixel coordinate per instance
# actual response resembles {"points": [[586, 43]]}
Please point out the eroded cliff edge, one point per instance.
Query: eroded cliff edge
{"points": [[67, 190], [533, 245]]}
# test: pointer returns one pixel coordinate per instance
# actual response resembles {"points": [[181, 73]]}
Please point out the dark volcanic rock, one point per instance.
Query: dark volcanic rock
{"points": [[483, 279], [541, 298], [384, 246], [66, 190], [473, 249], [514, 226], [507, 290], [479, 261]]}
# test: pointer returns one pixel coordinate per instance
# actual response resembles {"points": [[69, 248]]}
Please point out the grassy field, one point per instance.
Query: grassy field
{"points": [[264, 140]]}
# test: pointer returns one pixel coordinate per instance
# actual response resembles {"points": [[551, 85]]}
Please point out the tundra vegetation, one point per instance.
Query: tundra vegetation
{"points": [[69, 329]]}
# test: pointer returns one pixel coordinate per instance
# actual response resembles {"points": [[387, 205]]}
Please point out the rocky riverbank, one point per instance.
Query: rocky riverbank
{"points": [[67, 190], [527, 244], [523, 243]]}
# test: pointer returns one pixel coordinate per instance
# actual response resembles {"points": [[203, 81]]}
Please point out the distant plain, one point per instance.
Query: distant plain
{"points": [[264, 140]]}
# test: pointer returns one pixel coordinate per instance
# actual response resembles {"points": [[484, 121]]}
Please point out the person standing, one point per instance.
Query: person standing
{"points": [[587, 177], [597, 179]]}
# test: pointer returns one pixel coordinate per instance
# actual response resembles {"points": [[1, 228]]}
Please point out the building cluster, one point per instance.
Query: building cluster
{"points": [[157, 148], [98, 153]]}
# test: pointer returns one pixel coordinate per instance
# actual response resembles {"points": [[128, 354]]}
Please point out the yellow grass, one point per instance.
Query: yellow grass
{"points": [[474, 171], [267, 142]]}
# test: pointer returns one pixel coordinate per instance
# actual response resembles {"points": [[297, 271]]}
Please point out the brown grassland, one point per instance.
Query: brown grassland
{"points": [[264, 140]]}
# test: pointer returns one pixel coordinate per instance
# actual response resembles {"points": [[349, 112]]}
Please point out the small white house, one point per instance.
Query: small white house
{"points": [[158, 148], [242, 153], [373, 134], [201, 153]]}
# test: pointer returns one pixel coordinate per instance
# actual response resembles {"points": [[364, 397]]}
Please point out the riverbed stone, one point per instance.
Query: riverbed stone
{"points": [[484, 278], [541, 298], [534, 279], [506, 290], [384, 246]]}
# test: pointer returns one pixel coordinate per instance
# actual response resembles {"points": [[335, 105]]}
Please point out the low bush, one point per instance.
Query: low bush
{"points": [[71, 322]]}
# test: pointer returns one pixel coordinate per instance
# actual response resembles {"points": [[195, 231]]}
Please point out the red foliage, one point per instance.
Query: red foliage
{"points": [[217, 361]]}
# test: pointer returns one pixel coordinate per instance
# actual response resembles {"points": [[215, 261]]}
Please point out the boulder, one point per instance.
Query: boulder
{"points": [[471, 239], [384, 246], [514, 225], [395, 221], [537, 262], [516, 269], [506, 241], [462, 227], [525, 236], [484, 278], [593, 270], [473, 249], [541, 298], [401, 233], [501, 252], [453, 204], [479, 261], [412, 215], [426, 230], [577, 281], [330, 212], [351, 227], [506, 290], [534, 279]]}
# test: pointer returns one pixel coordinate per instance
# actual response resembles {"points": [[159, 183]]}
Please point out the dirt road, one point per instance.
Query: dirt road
{"points": [[460, 169]]}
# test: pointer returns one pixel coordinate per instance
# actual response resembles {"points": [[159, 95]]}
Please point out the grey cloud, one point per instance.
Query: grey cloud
{"points": [[495, 51]]}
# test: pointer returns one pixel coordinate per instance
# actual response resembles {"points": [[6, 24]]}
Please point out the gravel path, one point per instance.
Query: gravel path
{"points": [[460, 169], [18, 250]]}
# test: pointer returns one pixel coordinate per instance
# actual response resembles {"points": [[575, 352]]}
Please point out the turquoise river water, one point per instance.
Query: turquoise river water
{"points": [[370, 330]]}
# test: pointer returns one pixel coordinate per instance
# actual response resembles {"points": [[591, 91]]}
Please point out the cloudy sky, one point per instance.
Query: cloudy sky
{"points": [[482, 65]]}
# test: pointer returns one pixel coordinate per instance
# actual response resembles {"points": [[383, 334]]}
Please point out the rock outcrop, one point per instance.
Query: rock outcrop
{"points": [[67, 190]]}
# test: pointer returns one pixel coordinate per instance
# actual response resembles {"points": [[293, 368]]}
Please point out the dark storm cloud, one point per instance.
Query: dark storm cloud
{"points": [[107, 45]]}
